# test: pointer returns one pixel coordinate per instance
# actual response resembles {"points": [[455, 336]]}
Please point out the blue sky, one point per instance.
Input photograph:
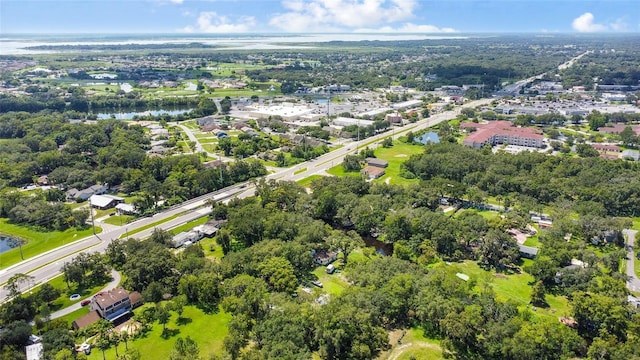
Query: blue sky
{"points": [[306, 16]]}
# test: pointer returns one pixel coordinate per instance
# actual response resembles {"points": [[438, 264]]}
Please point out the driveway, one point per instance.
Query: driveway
{"points": [[633, 283], [68, 310]]}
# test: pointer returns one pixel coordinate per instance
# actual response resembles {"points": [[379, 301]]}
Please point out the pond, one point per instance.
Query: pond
{"points": [[7, 243], [381, 247], [130, 115]]}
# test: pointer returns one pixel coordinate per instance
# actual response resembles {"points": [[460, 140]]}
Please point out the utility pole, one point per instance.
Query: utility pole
{"points": [[93, 223]]}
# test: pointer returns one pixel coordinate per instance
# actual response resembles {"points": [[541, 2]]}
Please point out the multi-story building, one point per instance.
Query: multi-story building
{"points": [[112, 304], [502, 132]]}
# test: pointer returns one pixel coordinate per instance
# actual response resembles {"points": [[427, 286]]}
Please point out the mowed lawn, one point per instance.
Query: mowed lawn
{"points": [[207, 330], [414, 345], [37, 242], [514, 287], [396, 155]]}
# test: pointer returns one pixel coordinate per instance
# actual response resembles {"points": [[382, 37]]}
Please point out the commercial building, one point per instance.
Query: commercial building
{"points": [[502, 132], [343, 121], [287, 112]]}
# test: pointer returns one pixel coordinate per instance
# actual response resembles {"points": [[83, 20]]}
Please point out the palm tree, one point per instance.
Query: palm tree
{"points": [[115, 340], [125, 337]]}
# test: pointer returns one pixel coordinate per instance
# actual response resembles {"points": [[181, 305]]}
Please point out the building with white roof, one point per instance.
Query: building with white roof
{"points": [[104, 201]]}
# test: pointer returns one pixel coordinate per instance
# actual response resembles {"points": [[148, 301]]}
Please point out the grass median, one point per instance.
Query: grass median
{"points": [[149, 226]]}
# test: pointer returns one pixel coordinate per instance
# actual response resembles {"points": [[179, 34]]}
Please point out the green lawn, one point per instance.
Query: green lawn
{"points": [[207, 330], [513, 287], [306, 182], [299, 171], [63, 300], [211, 249], [535, 239], [190, 225], [149, 226], [338, 170], [37, 241], [69, 318], [119, 220], [333, 284], [414, 345], [396, 155]]}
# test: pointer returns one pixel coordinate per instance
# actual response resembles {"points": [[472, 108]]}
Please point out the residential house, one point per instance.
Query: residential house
{"points": [[86, 320], [104, 202], [324, 257], [372, 172], [112, 305], [82, 195], [528, 252], [34, 351], [633, 301], [377, 162]]}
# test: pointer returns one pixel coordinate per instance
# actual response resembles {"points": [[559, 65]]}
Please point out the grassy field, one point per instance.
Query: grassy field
{"points": [[37, 241], [63, 300], [535, 239], [119, 220], [306, 182], [190, 225], [513, 287], [338, 170], [211, 249], [396, 155], [414, 345], [333, 284], [149, 226], [207, 330]]}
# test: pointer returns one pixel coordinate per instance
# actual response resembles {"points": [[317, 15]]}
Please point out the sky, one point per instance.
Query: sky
{"points": [[318, 16]]}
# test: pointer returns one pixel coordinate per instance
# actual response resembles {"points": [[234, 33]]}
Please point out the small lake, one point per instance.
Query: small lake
{"points": [[7, 243], [130, 115], [381, 247]]}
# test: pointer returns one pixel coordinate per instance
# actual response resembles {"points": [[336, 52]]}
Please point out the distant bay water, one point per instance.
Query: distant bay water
{"points": [[23, 44]]}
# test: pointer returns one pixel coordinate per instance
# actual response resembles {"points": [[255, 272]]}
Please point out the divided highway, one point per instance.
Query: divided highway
{"points": [[47, 265]]}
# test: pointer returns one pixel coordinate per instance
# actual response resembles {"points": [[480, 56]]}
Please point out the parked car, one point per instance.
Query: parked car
{"points": [[317, 283], [85, 302]]}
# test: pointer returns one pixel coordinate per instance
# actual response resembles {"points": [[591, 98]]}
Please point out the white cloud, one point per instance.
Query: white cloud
{"points": [[177, 1], [333, 15], [408, 28], [211, 22], [584, 23], [619, 25]]}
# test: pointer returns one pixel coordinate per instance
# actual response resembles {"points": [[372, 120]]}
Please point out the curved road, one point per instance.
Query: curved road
{"points": [[46, 266]]}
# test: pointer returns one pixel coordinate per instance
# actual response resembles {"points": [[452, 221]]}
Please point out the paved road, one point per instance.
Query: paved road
{"points": [[69, 309], [47, 265], [633, 283]]}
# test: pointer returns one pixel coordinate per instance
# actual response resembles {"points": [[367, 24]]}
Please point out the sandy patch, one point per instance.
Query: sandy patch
{"points": [[401, 155]]}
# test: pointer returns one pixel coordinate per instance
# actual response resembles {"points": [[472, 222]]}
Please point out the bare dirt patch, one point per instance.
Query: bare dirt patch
{"points": [[401, 155]]}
